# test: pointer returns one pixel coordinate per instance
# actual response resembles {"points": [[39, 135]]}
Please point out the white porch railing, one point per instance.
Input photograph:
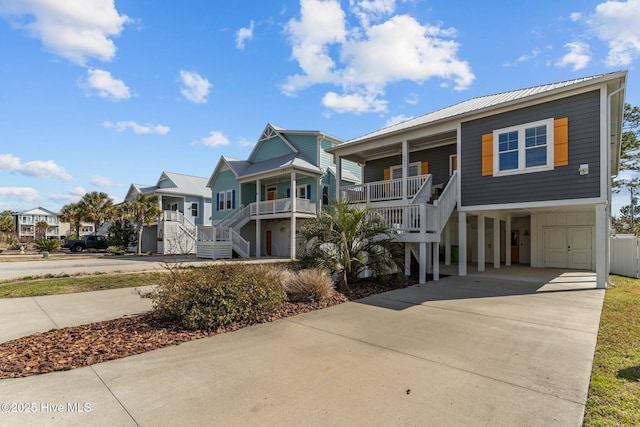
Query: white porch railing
{"points": [[378, 191], [282, 206], [236, 217], [422, 217], [239, 244]]}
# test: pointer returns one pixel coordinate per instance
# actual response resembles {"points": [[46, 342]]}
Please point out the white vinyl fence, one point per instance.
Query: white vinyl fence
{"points": [[625, 255]]}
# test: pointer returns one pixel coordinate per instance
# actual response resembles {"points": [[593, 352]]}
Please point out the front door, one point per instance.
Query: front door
{"points": [[555, 247], [515, 246], [268, 248]]}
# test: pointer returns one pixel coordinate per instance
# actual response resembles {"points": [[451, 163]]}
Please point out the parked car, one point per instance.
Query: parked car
{"points": [[88, 242]]}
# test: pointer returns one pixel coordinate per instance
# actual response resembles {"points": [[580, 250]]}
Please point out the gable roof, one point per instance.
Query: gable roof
{"points": [[487, 103], [296, 160], [178, 184], [38, 211], [270, 131]]}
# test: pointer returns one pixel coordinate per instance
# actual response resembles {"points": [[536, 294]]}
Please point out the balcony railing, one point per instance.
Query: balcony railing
{"points": [[282, 206], [379, 191]]}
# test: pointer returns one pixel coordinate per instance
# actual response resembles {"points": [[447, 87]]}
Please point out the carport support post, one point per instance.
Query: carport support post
{"points": [[602, 238], [338, 176], [496, 242], [462, 243], [258, 184], [407, 258], [294, 196], [436, 261], [507, 241], [447, 244], [480, 243], [422, 278]]}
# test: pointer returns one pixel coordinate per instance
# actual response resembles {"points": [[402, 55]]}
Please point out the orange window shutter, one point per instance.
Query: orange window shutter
{"points": [[454, 163], [424, 168], [487, 154], [387, 174], [561, 142]]}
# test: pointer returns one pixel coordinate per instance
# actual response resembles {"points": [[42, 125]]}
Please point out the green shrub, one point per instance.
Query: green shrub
{"points": [[217, 296], [47, 245], [307, 285]]}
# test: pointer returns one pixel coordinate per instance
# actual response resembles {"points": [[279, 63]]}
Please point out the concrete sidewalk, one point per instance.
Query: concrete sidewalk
{"points": [[466, 351], [25, 316]]}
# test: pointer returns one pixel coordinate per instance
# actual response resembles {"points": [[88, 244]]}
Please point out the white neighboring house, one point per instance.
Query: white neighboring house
{"points": [[185, 202], [26, 224]]}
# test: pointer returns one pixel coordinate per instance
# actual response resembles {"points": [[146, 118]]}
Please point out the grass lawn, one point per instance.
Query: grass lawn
{"points": [[31, 287], [614, 392]]}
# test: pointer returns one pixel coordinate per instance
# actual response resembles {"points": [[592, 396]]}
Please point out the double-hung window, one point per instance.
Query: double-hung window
{"points": [[194, 210], [524, 148], [221, 202]]}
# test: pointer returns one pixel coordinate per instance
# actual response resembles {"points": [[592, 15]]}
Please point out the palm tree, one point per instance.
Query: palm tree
{"points": [[142, 210], [72, 213], [350, 240], [96, 207], [41, 229], [7, 227]]}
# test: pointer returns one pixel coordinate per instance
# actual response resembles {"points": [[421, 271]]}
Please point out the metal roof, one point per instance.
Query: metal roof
{"points": [[479, 104]]}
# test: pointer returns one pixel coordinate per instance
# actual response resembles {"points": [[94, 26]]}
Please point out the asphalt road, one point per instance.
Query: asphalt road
{"points": [[17, 269]]}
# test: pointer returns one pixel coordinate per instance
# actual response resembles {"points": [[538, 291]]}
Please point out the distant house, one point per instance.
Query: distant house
{"points": [[516, 177], [260, 202], [26, 224], [185, 202]]}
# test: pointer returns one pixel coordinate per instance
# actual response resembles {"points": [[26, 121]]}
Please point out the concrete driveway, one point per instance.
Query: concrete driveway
{"points": [[477, 350]]}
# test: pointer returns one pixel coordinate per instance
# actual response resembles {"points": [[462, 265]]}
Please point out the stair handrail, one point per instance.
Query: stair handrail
{"points": [[426, 189], [447, 201], [239, 242]]}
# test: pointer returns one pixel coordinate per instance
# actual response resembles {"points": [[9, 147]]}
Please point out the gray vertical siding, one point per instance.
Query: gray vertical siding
{"points": [[562, 182], [438, 159]]}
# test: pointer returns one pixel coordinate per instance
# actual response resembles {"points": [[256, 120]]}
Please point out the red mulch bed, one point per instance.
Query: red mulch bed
{"points": [[77, 346]]}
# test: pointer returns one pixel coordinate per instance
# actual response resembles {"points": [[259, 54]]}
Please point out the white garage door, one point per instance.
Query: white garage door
{"points": [[568, 247]]}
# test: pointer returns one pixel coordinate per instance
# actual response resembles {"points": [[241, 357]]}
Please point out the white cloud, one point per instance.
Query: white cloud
{"points": [[412, 98], [78, 191], [363, 60], [196, 88], [75, 30], [37, 168], [523, 58], [578, 56], [137, 128], [215, 139], [101, 181], [106, 86], [24, 194], [397, 119], [616, 23], [354, 103], [575, 16], [243, 35]]}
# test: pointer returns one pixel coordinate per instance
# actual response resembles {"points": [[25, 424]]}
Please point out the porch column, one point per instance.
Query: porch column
{"points": [[447, 244], [496, 242], [338, 176], [258, 190], [407, 258], [602, 245], [294, 197], [422, 276], [507, 242], [405, 169], [462, 243], [318, 194], [436, 261], [481, 243]]}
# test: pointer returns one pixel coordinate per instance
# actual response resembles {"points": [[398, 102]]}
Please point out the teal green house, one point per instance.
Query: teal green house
{"points": [[259, 203]]}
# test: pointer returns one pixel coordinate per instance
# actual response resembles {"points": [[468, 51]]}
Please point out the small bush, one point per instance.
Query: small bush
{"points": [[217, 296], [47, 245], [307, 285]]}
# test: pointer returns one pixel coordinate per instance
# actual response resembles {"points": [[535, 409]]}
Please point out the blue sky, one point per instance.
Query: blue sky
{"points": [[98, 94]]}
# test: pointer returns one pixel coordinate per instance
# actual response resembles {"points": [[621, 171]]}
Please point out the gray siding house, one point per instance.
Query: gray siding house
{"points": [[185, 202], [517, 177]]}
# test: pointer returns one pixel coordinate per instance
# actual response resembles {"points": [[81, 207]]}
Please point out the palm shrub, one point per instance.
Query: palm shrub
{"points": [[307, 285], [351, 240], [217, 296], [47, 245]]}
